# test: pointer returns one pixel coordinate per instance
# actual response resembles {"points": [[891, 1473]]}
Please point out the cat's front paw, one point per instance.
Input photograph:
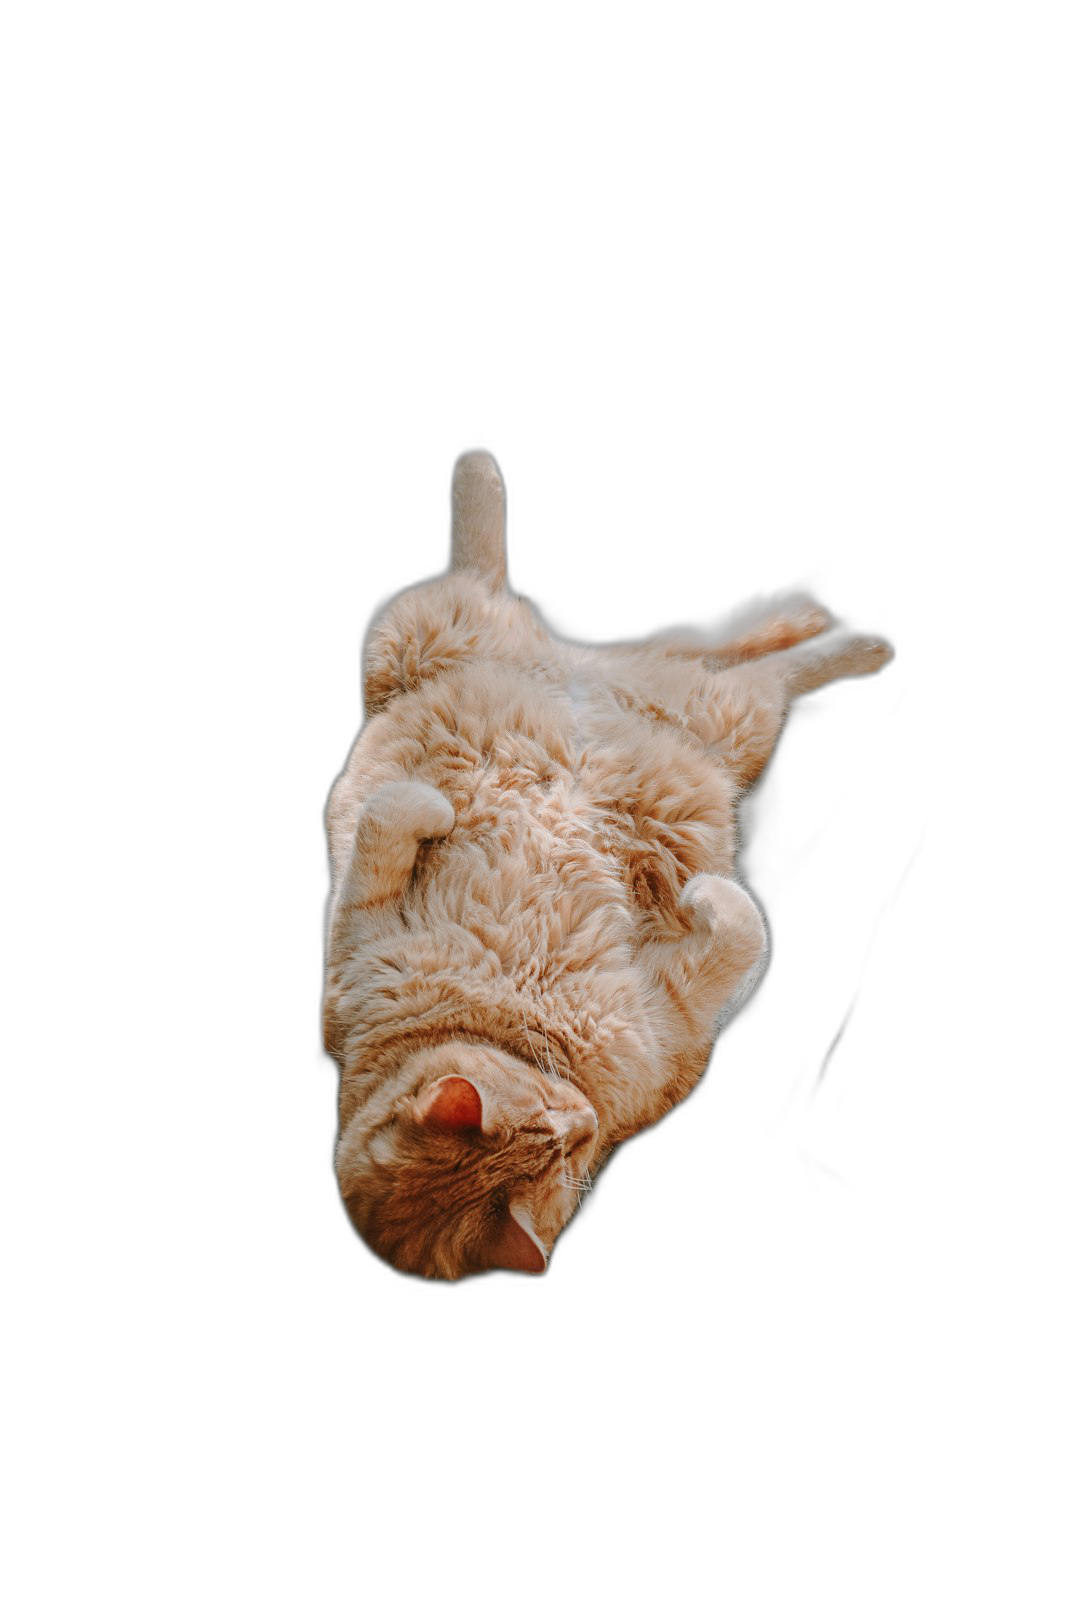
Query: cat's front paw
{"points": [[716, 905], [416, 808]]}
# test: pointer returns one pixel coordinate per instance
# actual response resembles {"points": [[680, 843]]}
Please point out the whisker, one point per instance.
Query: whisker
{"points": [[552, 1065], [579, 1184], [528, 1037]]}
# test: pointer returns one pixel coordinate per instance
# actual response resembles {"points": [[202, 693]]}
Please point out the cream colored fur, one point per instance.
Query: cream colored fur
{"points": [[535, 920]]}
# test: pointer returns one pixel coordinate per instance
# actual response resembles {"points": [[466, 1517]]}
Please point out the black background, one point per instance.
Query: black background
{"points": [[795, 1188]]}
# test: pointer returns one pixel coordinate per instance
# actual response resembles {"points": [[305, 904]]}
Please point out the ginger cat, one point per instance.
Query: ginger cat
{"points": [[535, 923]]}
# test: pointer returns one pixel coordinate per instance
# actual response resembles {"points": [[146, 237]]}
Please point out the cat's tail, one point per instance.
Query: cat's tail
{"points": [[478, 543]]}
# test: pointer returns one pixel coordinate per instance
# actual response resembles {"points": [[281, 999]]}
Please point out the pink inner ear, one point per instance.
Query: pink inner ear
{"points": [[451, 1104], [515, 1250]]}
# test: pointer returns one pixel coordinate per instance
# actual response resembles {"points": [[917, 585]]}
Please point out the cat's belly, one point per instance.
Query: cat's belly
{"points": [[663, 806], [561, 785], [577, 823], [573, 806]]}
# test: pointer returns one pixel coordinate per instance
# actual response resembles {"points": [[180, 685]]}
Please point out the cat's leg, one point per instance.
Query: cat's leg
{"points": [[721, 943], [760, 628], [691, 976], [738, 714], [394, 822], [765, 628]]}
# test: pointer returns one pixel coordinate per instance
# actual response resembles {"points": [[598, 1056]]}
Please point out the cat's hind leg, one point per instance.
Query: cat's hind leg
{"points": [[769, 627], [762, 627], [738, 713], [394, 822]]}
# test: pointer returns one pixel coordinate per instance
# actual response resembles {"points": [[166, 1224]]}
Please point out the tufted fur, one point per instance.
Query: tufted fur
{"points": [[534, 921]]}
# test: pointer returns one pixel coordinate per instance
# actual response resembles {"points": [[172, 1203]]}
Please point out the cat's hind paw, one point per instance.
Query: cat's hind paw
{"points": [[832, 658]]}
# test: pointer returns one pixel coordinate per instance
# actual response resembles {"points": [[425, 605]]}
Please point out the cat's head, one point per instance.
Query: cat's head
{"points": [[476, 1166]]}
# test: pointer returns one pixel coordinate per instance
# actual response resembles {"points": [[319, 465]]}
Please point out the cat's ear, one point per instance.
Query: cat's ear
{"points": [[451, 1105], [516, 1247], [478, 542]]}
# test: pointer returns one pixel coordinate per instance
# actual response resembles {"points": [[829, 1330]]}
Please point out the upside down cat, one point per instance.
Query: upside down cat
{"points": [[534, 923]]}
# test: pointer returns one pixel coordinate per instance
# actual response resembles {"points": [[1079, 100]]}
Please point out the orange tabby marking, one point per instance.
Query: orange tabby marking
{"points": [[535, 921]]}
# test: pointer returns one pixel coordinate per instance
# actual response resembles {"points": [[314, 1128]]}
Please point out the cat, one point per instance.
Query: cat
{"points": [[535, 923]]}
